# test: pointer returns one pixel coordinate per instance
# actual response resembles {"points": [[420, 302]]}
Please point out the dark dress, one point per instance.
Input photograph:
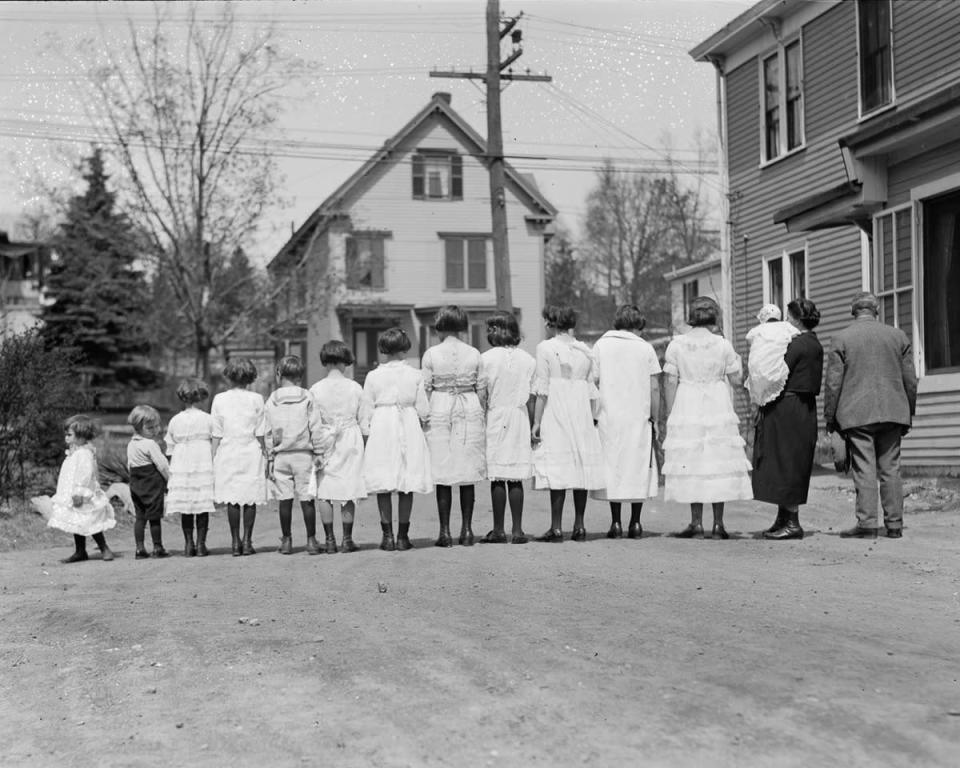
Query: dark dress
{"points": [[786, 432]]}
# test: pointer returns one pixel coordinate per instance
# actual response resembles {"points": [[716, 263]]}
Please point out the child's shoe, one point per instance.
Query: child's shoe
{"points": [[190, 549], [330, 546], [159, 551], [387, 544], [313, 546], [202, 550], [142, 554], [248, 547], [77, 557], [106, 554], [347, 545], [286, 545], [403, 542]]}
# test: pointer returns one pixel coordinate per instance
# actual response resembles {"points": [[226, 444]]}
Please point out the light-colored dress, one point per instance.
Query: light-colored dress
{"points": [[190, 487], [78, 477], [396, 456], [766, 367], [345, 408], [569, 454], [704, 456], [624, 363], [239, 469], [451, 377], [509, 374]]}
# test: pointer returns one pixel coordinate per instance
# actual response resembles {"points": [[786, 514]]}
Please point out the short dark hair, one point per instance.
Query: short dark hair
{"points": [[560, 318], [503, 330], [240, 371], [193, 391], [806, 312], [393, 340], [629, 318], [82, 426], [703, 311], [143, 416], [290, 367], [451, 319], [335, 352]]}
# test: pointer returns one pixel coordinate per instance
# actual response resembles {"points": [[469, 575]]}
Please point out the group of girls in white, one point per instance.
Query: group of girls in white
{"points": [[572, 418]]}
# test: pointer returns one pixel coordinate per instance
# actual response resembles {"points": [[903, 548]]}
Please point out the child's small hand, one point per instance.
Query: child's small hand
{"points": [[77, 500], [318, 463]]}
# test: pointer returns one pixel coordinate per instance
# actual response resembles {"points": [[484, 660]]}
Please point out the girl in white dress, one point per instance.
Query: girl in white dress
{"points": [[567, 452], [396, 457], [239, 452], [345, 408], [705, 460], [79, 506], [508, 376], [189, 442], [452, 378], [629, 384]]}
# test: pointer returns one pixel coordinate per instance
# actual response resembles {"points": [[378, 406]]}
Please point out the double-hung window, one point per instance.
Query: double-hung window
{"points": [[785, 278], [365, 262], [782, 101], [875, 35], [437, 175], [465, 261], [892, 268]]}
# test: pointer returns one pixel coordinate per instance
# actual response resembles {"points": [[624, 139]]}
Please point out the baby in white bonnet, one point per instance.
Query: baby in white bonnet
{"points": [[768, 343]]}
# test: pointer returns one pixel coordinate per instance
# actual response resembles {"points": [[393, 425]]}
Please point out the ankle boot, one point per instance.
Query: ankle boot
{"points": [[235, 543], [248, 545], [347, 543], [330, 546], [286, 545], [202, 550], [189, 548], [790, 530], [403, 537], [387, 543], [313, 546], [444, 539], [779, 522]]}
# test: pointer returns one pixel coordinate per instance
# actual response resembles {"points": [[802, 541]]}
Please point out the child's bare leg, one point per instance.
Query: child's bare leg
{"points": [[233, 517], [385, 505], [79, 550], [186, 524], [285, 508], [249, 518], [467, 499], [346, 514], [405, 507], [101, 542]]}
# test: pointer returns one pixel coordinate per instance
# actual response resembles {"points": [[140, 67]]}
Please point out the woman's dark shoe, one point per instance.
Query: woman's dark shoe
{"points": [[554, 535], [519, 538], [141, 554], [466, 537], [779, 522], [286, 545], [403, 543], [444, 539], [789, 531], [313, 546], [494, 537], [579, 534], [348, 546], [615, 532], [76, 557], [635, 531], [387, 543], [690, 532], [719, 532], [330, 546]]}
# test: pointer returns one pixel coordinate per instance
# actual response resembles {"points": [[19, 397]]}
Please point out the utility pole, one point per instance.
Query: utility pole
{"points": [[496, 31]]}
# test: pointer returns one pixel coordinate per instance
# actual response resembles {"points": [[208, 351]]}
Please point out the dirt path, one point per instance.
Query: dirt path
{"points": [[658, 652]]}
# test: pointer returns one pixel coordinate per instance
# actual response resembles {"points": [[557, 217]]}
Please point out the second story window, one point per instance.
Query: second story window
{"points": [[691, 289], [437, 175], [365, 267], [465, 258], [876, 54], [782, 101]]}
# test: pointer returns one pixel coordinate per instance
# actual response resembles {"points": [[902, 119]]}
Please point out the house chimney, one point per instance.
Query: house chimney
{"points": [[443, 96]]}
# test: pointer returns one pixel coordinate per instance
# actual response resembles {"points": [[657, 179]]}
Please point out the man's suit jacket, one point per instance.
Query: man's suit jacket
{"points": [[870, 376]]}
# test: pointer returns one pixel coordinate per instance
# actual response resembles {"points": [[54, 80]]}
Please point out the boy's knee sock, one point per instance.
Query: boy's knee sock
{"points": [[139, 529], [80, 543], [286, 516]]}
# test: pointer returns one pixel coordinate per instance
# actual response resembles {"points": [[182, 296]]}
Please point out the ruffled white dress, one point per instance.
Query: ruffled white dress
{"points": [[704, 458], [239, 469], [78, 477], [396, 456], [508, 373], [624, 364], [452, 378], [569, 454], [190, 487], [766, 366], [346, 409]]}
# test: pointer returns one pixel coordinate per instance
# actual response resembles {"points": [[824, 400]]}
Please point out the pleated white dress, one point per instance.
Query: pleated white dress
{"points": [[396, 456], [569, 454], [624, 364], [508, 373], [190, 487], [346, 409], [704, 453]]}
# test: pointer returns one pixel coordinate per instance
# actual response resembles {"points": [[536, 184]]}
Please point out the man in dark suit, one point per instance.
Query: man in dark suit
{"points": [[870, 398]]}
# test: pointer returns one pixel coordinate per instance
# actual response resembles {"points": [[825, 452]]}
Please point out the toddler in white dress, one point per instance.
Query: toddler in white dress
{"points": [[768, 342]]}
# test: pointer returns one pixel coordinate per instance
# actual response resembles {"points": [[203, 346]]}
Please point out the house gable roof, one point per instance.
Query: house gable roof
{"points": [[337, 203]]}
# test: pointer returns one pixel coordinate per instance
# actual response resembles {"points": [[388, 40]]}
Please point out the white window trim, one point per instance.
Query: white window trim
{"points": [[780, 52], [784, 255], [861, 115], [870, 254]]}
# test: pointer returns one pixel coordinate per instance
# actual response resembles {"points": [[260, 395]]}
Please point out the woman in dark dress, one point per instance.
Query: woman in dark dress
{"points": [[786, 433]]}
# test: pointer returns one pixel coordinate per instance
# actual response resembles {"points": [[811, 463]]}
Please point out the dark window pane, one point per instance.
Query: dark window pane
{"points": [[453, 250], [887, 314], [418, 188], [775, 271], [886, 253], [941, 282], [905, 313], [771, 105], [904, 249], [794, 96], [876, 73], [477, 265], [377, 267], [798, 275], [456, 177], [434, 183]]}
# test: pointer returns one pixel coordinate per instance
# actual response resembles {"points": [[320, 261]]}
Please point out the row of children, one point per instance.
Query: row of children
{"points": [[463, 417]]}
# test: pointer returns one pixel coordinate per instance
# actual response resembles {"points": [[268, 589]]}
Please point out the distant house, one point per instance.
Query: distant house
{"points": [[840, 127], [23, 267], [407, 233], [686, 283]]}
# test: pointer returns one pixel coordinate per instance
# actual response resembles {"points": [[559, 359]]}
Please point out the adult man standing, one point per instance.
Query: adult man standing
{"points": [[870, 397]]}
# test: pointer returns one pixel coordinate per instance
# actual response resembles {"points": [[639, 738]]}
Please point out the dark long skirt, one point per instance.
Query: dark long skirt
{"points": [[783, 448], [147, 488]]}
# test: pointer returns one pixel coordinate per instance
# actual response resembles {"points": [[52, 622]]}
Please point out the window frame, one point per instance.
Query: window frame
{"points": [[780, 53], [371, 235], [454, 174], [786, 257], [465, 238], [866, 114], [687, 296]]}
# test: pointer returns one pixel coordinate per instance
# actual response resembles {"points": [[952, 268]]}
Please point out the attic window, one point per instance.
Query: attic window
{"points": [[437, 175]]}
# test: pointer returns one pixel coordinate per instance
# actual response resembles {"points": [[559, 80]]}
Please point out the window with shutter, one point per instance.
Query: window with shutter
{"points": [[437, 175]]}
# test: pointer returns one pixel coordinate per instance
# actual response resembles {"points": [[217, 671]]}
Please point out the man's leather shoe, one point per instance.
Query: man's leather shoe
{"points": [[894, 533], [859, 533]]}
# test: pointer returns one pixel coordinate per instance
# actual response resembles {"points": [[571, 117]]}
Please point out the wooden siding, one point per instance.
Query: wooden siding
{"points": [[926, 39]]}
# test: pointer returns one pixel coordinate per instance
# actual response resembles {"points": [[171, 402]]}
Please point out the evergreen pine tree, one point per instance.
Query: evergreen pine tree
{"points": [[98, 295]]}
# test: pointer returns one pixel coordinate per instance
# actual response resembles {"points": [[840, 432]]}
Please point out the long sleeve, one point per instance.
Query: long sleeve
{"points": [[541, 377], [82, 474], [833, 383], [909, 374]]}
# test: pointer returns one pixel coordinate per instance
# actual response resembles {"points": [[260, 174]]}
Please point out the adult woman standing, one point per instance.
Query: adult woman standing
{"points": [[629, 383], [785, 438], [704, 459], [567, 452]]}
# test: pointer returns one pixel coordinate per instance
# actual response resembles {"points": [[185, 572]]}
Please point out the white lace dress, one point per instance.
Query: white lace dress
{"points": [[704, 458], [78, 477], [190, 487], [508, 373], [239, 469], [345, 408], [569, 454], [455, 436]]}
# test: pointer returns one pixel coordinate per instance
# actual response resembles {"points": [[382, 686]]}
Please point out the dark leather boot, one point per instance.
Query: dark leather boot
{"points": [[779, 522], [790, 530], [202, 550]]}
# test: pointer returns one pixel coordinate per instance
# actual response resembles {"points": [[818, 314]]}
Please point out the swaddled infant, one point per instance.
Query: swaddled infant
{"points": [[768, 343]]}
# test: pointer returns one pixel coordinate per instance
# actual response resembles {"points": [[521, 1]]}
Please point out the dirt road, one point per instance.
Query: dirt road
{"points": [[607, 653]]}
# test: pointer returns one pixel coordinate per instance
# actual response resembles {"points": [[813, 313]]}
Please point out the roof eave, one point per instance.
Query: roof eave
{"points": [[721, 41]]}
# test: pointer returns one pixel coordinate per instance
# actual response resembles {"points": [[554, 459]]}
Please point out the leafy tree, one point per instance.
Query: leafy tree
{"points": [[98, 295]]}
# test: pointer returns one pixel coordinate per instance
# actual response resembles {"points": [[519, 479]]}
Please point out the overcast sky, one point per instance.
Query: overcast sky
{"points": [[623, 83]]}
